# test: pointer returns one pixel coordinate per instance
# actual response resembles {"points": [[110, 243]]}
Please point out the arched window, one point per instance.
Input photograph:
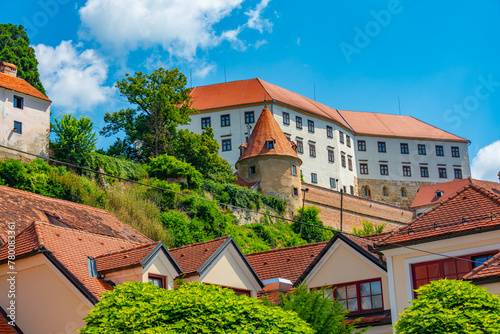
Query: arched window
{"points": [[403, 192], [366, 191], [385, 191]]}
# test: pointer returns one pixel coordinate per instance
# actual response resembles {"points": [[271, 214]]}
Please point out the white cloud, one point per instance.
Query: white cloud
{"points": [[260, 43], [204, 70], [74, 79], [486, 163], [255, 21], [179, 26]]}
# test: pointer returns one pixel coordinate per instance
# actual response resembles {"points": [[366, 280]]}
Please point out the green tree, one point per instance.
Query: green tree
{"points": [[368, 228], [310, 233], [451, 306], [192, 308], [166, 166], [161, 100], [15, 48], [75, 138], [319, 309]]}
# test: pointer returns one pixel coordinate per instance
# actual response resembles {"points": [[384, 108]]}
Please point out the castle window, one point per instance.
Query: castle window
{"points": [[249, 117], [384, 170], [361, 145], [385, 191], [341, 137], [286, 118], [332, 182], [406, 171], [455, 152], [226, 145], [312, 150], [363, 168], [225, 120], [366, 191], [310, 125], [424, 172], [349, 162], [351, 188], [403, 192], [295, 192], [205, 121], [439, 151], [251, 170], [270, 144], [294, 170], [300, 146], [404, 148], [381, 147], [298, 122], [348, 140], [314, 178], [342, 159], [18, 127], [442, 173], [421, 149], [331, 155], [329, 131], [18, 102], [458, 173]]}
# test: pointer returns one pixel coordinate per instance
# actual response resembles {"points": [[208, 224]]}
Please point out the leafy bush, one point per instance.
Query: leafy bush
{"points": [[317, 307], [310, 233], [115, 166], [451, 306], [368, 228], [165, 167], [193, 308]]}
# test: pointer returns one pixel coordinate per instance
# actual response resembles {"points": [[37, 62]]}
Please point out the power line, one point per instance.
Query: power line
{"points": [[233, 206]]}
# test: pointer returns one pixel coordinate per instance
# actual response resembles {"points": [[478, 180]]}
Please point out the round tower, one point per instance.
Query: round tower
{"points": [[269, 161]]}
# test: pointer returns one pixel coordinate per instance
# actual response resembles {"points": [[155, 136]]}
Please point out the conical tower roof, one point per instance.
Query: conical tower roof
{"points": [[267, 129]]}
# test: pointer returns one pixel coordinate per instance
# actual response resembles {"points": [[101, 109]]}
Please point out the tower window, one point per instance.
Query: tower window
{"points": [[458, 173], [341, 137], [348, 140], [270, 144], [251, 171], [331, 155], [295, 192], [294, 170], [363, 168], [329, 131]]}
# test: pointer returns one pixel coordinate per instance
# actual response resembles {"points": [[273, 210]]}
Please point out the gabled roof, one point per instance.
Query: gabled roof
{"points": [[21, 86], [244, 92], [489, 270], [471, 210], [5, 328], [23, 208], [133, 257], [68, 249], [288, 263], [426, 195], [267, 129], [360, 244]]}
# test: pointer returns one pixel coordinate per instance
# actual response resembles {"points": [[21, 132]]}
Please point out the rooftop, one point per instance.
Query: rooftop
{"points": [[122, 259], [487, 271], [21, 86]]}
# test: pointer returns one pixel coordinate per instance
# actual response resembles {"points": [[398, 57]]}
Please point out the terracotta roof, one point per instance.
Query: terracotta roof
{"points": [[251, 91], [288, 263], [23, 208], [379, 124], [9, 64], [191, 258], [240, 182], [5, 328], [426, 195], [488, 270], [267, 129], [372, 320], [471, 209], [21, 86], [121, 259], [70, 247]]}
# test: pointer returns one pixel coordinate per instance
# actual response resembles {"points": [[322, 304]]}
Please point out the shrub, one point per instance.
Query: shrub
{"points": [[368, 228], [310, 233], [192, 308], [115, 166], [165, 167], [451, 306]]}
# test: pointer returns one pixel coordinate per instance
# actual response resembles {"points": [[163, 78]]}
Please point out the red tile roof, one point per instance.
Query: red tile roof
{"points": [[191, 258], [426, 195], [5, 328], [21, 86], [267, 129], [471, 209], [23, 208], [9, 64], [240, 182], [288, 263], [488, 270], [70, 247], [121, 259], [252, 91], [381, 319]]}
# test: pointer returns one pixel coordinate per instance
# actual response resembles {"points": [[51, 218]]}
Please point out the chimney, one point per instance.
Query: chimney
{"points": [[8, 68], [498, 176]]}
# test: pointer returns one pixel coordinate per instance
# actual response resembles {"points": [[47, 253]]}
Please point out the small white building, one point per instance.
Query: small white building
{"points": [[381, 156], [24, 116]]}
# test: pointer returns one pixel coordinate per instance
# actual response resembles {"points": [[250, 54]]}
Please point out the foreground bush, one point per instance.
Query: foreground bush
{"points": [[193, 308]]}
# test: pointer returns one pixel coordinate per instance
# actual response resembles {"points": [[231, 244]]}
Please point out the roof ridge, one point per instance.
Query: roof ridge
{"points": [[435, 127], [486, 192], [198, 243], [39, 234], [127, 250], [287, 248]]}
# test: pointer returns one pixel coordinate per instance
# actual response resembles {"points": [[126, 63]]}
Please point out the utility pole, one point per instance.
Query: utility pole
{"points": [[341, 207], [304, 191]]}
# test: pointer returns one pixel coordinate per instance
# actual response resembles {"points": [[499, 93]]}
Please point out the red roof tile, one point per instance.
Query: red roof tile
{"points": [[240, 182], [288, 263], [381, 319], [426, 195], [470, 209], [5, 328], [267, 129], [21, 86], [488, 270], [70, 247], [121, 259], [190, 258], [23, 208]]}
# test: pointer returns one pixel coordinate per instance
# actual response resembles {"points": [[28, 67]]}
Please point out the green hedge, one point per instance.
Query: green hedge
{"points": [[115, 166]]}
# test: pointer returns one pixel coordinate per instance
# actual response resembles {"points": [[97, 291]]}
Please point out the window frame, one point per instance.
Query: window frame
{"points": [[314, 178], [363, 168], [300, 146], [349, 162], [15, 103], [422, 149], [329, 131], [249, 117], [310, 126], [286, 118], [163, 280], [455, 152], [18, 127], [333, 184], [335, 287], [341, 137], [204, 121], [298, 122], [294, 170], [458, 171], [382, 147], [252, 170], [362, 145], [348, 140], [442, 173], [224, 145], [384, 168], [439, 151], [312, 150], [422, 168], [331, 155], [406, 171], [225, 120], [343, 160], [404, 148]]}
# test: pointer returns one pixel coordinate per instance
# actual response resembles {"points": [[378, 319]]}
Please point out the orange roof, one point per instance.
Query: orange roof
{"points": [[23, 208], [250, 91], [120, 259], [240, 182], [426, 195], [267, 129], [21, 86], [5, 328], [372, 320], [9, 64], [71, 248], [288, 263], [192, 257], [472, 209], [487, 271]]}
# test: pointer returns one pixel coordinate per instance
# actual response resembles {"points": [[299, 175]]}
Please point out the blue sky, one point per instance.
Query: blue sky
{"points": [[440, 58]]}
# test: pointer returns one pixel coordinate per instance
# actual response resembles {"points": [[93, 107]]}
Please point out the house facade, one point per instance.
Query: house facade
{"points": [[380, 156], [24, 116]]}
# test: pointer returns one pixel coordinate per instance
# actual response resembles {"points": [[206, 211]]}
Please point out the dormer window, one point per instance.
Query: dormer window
{"points": [[439, 193], [270, 144]]}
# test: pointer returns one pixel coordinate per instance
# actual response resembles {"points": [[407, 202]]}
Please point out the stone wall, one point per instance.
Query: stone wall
{"points": [[355, 209], [393, 195]]}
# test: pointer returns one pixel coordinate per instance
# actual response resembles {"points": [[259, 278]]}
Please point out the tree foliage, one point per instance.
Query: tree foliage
{"points": [[165, 167], [368, 228], [75, 138], [192, 308], [15, 48], [310, 233], [451, 306], [319, 309]]}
